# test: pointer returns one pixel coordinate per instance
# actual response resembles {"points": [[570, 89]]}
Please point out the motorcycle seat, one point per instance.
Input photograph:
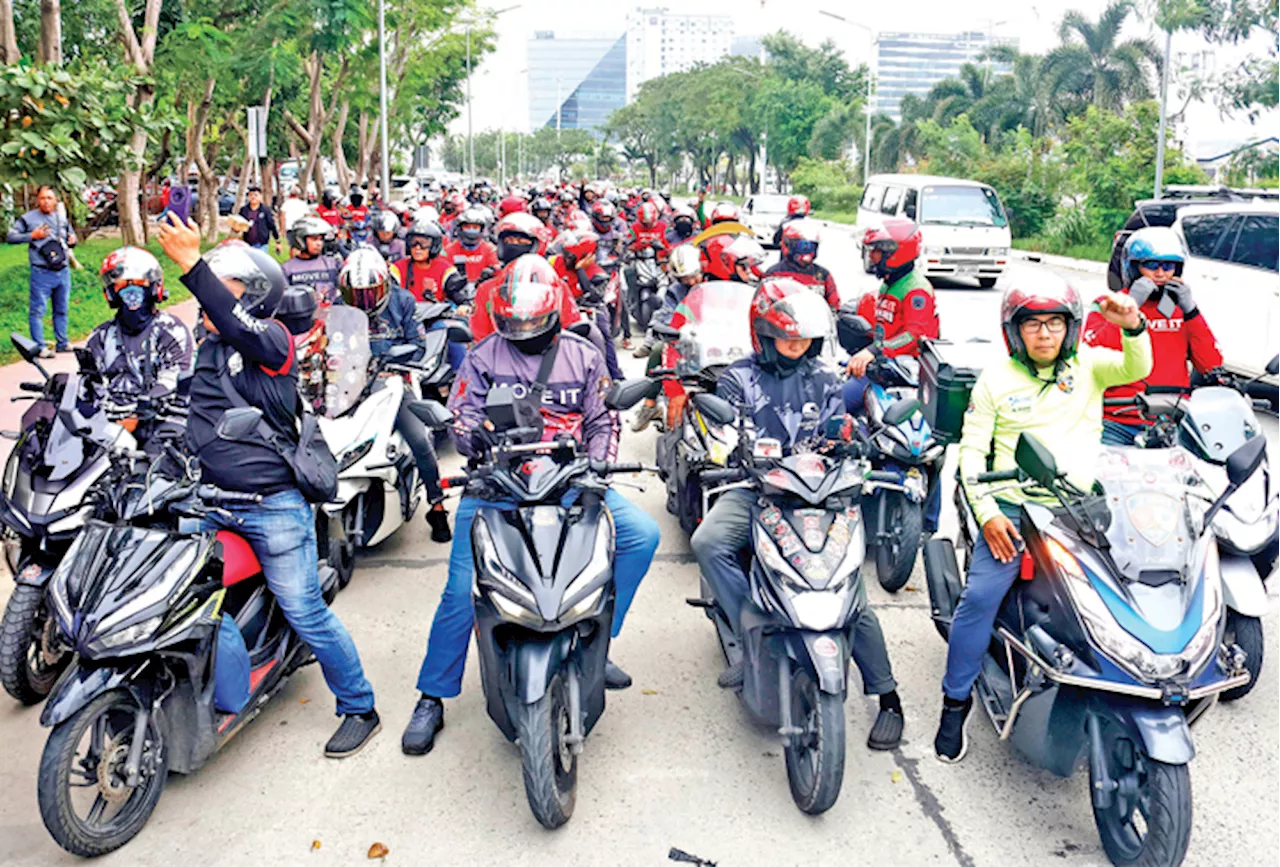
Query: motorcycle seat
{"points": [[238, 560]]}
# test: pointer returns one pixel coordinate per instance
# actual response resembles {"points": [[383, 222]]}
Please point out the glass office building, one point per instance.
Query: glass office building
{"points": [[585, 77], [915, 62]]}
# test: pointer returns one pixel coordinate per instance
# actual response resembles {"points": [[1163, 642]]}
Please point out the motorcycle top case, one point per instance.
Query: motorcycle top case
{"points": [[945, 387]]}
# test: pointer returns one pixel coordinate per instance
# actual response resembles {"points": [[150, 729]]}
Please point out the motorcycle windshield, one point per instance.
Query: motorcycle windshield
{"points": [[347, 358], [715, 328], [1217, 422]]}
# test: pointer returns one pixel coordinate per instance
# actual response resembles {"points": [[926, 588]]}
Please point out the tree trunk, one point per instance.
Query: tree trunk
{"points": [[139, 55], [208, 184], [8, 36], [339, 156], [362, 144], [50, 48], [246, 174]]}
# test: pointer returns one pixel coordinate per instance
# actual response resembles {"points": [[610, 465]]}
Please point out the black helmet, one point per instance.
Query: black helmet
{"points": [[425, 227], [260, 275], [297, 309]]}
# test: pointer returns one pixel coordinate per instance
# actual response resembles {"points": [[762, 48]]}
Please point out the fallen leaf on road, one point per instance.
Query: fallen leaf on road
{"points": [[315, 844], [896, 776], [377, 850], [911, 589], [303, 700], [648, 692]]}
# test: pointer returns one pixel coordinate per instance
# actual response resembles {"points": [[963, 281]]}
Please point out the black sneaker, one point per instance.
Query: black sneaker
{"points": [[438, 521], [427, 720], [886, 734], [356, 731], [733, 676], [615, 677], [952, 742]]}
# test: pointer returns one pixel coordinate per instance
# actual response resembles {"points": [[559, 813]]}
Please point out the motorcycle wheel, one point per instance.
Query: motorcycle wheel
{"points": [[28, 670], [1246, 632], [895, 561], [83, 761], [1150, 825], [550, 766], [815, 758]]}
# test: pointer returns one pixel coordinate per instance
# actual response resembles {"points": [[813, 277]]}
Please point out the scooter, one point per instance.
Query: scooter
{"points": [[806, 594], [645, 282], [48, 493], [1111, 646], [544, 594], [431, 377], [144, 605]]}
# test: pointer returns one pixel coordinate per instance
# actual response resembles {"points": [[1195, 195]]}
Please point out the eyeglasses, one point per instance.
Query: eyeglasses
{"points": [[122, 284], [1055, 325], [1159, 265]]}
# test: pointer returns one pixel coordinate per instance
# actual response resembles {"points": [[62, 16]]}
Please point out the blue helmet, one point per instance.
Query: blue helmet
{"points": [[1154, 242]]}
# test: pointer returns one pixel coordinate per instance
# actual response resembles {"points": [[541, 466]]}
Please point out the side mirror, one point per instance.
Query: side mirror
{"points": [[430, 413], [459, 333], [714, 407], [239, 422], [664, 332], [899, 411], [1034, 459], [909, 212], [87, 362], [856, 323], [629, 392], [27, 348], [1273, 366], [1242, 463], [427, 311]]}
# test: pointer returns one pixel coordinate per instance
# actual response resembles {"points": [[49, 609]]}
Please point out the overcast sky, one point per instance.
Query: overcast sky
{"points": [[499, 86]]}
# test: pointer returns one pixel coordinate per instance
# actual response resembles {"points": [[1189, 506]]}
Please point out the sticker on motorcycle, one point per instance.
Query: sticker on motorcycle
{"points": [[826, 648], [32, 571]]}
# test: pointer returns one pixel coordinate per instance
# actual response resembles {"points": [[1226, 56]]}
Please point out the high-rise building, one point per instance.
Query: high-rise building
{"points": [[660, 42], [915, 62], [583, 76]]}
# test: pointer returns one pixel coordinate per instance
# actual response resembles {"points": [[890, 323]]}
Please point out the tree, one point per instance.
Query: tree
{"points": [[638, 130], [561, 149], [139, 54], [1100, 68]]}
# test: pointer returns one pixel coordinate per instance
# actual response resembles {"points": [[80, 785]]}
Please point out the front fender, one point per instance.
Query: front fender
{"points": [[534, 661], [33, 574], [827, 656], [1164, 732], [1243, 590], [76, 688]]}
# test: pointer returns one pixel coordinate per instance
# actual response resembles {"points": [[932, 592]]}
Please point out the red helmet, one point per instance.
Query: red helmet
{"points": [[898, 242], [527, 303], [798, 206], [800, 240], [1049, 294], [132, 266], [603, 212], [511, 232], [575, 245], [723, 212], [648, 214], [784, 309], [365, 280], [511, 205], [743, 247]]}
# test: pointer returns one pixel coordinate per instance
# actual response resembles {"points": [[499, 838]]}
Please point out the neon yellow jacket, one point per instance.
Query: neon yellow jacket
{"points": [[1063, 413]]}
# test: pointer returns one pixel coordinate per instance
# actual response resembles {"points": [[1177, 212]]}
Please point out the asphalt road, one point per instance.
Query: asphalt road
{"points": [[674, 761]]}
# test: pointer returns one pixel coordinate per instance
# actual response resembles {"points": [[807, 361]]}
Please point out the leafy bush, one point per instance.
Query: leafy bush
{"points": [[1071, 227], [826, 183]]}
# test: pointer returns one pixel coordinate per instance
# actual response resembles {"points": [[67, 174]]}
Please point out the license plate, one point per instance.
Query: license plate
{"points": [[966, 269]]}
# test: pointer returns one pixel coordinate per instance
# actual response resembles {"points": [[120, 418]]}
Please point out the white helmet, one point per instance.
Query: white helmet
{"points": [[364, 280], [685, 261]]}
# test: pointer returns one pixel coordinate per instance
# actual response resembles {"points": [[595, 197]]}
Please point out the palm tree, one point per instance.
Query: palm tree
{"points": [[1099, 68]]}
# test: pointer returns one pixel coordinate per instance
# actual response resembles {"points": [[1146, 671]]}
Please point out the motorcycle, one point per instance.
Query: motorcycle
{"points": [[143, 604], [1111, 646], [432, 377], [544, 594], [645, 283], [806, 594], [47, 495]]}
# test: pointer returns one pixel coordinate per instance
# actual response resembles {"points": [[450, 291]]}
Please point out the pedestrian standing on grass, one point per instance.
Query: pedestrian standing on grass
{"points": [[48, 235], [262, 222]]}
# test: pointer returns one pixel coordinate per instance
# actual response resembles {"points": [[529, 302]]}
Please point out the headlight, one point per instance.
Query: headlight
{"points": [[598, 565], [11, 470], [585, 607], [353, 456], [494, 576], [934, 251], [59, 592], [128, 635]]}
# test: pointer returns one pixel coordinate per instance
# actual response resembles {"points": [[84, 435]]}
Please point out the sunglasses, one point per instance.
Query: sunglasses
{"points": [[1159, 265]]}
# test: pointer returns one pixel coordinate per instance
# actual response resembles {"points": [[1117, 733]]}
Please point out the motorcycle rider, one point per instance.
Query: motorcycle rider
{"points": [[685, 267], [1152, 268], [648, 228], [311, 266], [386, 238], [713, 248], [239, 289], [366, 284], [526, 313], [328, 209], [788, 326], [141, 352], [469, 243], [1048, 387], [683, 226], [744, 259], [798, 208], [799, 248], [576, 266]]}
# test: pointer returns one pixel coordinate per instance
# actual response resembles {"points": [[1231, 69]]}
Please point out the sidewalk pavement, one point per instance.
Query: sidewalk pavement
{"points": [[11, 412], [1087, 266]]}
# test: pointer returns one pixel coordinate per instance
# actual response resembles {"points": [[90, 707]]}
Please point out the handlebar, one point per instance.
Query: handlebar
{"points": [[722, 477], [214, 494], [604, 468], [32, 386], [882, 476], [1000, 476], [1119, 401]]}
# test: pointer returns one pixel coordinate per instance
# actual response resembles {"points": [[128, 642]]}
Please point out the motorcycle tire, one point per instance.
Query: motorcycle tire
{"points": [[55, 784], [1164, 789], [22, 671], [550, 766], [1247, 633], [815, 758], [894, 562]]}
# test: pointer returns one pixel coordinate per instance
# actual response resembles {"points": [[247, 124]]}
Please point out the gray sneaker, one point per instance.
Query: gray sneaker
{"points": [[643, 350], [645, 416], [426, 722]]}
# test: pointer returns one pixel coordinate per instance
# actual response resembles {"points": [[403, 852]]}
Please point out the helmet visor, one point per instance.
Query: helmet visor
{"points": [[804, 248], [809, 312]]}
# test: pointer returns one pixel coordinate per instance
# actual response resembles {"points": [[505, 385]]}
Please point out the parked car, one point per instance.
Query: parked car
{"points": [[763, 212], [965, 228]]}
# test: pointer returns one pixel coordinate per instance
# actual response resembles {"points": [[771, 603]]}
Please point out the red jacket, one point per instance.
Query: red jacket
{"points": [[1175, 340], [332, 216], [570, 275], [482, 313], [428, 280], [642, 235], [902, 312], [483, 255], [813, 275], [358, 212]]}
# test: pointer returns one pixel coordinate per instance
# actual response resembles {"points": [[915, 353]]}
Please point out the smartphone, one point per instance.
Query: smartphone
{"points": [[179, 204]]}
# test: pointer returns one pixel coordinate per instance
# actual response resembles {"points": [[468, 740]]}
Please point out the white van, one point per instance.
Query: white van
{"points": [[965, 230]]}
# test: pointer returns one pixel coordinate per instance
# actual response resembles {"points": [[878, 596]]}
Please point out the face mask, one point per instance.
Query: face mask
{"points": [[134, 320], [536, 345], [684, 228], [469, 236]]}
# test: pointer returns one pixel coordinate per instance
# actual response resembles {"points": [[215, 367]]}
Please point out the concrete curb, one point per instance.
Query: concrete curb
{"points": [[1085, 266]]}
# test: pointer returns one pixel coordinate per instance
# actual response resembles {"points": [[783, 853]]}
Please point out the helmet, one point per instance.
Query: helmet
{"points": [[527, 303], [1048, 294], [424, 227], [899, 244], [260, 275], [512, 230], [724, 212], [567, 196], [328, 197], [575, 245], [471, 223], [798, 206], [131, 267], [363, 280], [602, 213], [387, 222], [783, 309], [511, 205], [800, 241], [541, 205], [1158, 243], [648, 214], [309, 226], [685, 261], [426, 212], [683, 221], [744, 247], [297, 309]]}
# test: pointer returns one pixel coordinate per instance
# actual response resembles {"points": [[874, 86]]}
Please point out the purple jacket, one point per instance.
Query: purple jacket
{"points": [[572, 403]]}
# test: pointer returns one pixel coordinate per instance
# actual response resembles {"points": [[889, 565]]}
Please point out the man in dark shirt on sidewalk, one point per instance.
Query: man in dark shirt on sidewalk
{"points": [[262, 222]]}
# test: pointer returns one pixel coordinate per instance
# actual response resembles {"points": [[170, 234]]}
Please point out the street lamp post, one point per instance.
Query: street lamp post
{"points": [[471, 146], [382, 99], [867, 108], [1164, 119]]}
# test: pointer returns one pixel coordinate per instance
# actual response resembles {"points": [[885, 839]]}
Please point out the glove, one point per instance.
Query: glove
{"points": [[1177, 293], [483, 439], [1142, 289]]}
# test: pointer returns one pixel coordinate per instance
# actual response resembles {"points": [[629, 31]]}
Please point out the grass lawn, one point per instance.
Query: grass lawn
{"points": [[88, 307], [835, 216], [1098, 251]]}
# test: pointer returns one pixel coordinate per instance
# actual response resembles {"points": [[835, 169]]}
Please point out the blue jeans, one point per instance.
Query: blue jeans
{"points": [[441, 672], [1116, 433], [46, 284], [989, 580], [281, 530]]}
